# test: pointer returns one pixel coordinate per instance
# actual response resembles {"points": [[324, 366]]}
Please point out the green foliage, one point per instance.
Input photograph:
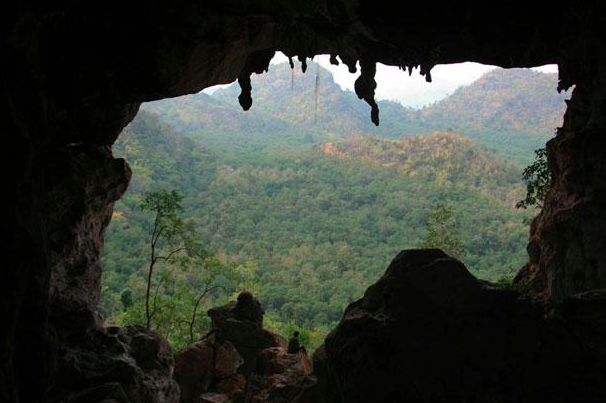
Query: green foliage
{"points": [[174, 294], [126, 297], [442, 232], [307, 230], [169, 237], [179, 293], [538, 179], [512, 111], [310, 338], [298, 209], [165, 205]]}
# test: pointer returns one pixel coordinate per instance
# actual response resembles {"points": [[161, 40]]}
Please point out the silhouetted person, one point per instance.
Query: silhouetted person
{"points": [[249, 308], [293, 344]]}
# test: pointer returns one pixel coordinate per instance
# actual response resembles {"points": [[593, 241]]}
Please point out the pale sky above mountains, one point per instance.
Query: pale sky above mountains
{"points": [[412, 91]]}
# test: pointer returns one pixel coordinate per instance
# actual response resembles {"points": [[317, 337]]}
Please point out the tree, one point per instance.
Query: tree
{"points": [[170, 236], [207, 280], [538, 179], [442, 232]]}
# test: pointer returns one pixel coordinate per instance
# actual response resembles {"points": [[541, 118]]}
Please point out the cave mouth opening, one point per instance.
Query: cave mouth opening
{"points": [[272, 193], [74, 77]]}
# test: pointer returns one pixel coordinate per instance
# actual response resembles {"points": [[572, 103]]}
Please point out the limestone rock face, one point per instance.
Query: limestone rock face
{"points": [[227, 360], [233, 386], [127, 364], [208, 369], [567, 247], [93, 363], [194, 369], [281, 377], [83, 184], [429, 331], [241, 324]]}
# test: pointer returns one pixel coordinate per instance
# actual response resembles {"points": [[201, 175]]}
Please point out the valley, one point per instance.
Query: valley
{"points": [[306, 208]]}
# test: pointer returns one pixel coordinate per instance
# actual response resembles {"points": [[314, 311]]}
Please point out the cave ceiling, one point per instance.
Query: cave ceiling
{"points": [[98, 63]]}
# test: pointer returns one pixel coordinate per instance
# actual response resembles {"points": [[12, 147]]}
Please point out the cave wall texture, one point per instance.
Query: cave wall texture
{"points": [[73, 75]]}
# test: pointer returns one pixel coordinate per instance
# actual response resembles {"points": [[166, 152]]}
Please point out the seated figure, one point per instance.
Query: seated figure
{"points": [[293, 344]]}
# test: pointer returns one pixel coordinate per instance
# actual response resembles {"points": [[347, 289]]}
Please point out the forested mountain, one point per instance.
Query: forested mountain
{"points": [[313, 227], [290, 95], [203, 112], [507, 101], [510, 111]]}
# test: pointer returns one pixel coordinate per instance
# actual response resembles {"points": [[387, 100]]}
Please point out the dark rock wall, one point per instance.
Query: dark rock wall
{"points": [[121, 365], [73, 75], [82, 184], [567, 248]]}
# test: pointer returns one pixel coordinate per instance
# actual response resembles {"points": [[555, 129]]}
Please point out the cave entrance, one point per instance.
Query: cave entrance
{"points": [[303, 201], [74, 76]]}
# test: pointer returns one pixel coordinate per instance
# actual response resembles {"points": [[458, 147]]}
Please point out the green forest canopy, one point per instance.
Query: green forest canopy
{"points": [[304, 217]]}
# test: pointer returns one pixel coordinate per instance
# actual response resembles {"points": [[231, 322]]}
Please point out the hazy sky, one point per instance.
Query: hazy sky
{"points": [[395, 84]]}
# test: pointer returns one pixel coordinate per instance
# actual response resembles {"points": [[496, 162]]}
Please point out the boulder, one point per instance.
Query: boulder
{"points": [[227, 360], [129, 364], [428, 331], [233, 386], [280, 377], [276, 360], [194, 369], [241, 324]]}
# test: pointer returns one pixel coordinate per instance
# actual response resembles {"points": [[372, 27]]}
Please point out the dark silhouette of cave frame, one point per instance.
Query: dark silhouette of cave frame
{"points": [[74, 75]]}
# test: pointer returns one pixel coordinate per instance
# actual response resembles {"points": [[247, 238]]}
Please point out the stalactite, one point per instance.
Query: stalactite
{"points": [[245, 97], [257, 62], [333, 60], [350, 62], [365, 87], [426, 71], [303, 61]]}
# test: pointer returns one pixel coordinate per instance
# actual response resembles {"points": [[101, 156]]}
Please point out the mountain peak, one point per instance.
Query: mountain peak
{"points": [[508, 100]]}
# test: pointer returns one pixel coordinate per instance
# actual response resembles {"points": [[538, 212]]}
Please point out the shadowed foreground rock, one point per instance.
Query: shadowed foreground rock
{"points": [[239, 361], [241, 323], [121, 365], [208, 369], [92, 363], [281, 377], [428, 331]]}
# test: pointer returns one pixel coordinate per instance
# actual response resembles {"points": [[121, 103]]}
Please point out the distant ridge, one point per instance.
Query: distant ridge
{"points": [[509, 101], [511, 111]]}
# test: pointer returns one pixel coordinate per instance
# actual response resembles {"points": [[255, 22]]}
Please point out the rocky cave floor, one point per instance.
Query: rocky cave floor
{"points": [[427, 331]]}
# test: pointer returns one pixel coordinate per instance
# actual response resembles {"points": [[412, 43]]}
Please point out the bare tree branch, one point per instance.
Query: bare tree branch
{"points": [[193, 316], [171, 253]]}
